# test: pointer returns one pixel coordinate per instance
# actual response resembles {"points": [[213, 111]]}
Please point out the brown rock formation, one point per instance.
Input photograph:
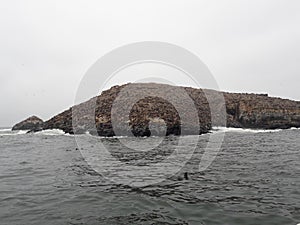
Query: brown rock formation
{"points": [[261, 111], [242, 110], [147, 110], [32, 123]]}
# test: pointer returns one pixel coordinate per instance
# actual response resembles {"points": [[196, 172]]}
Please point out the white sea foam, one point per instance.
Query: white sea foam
{"points": [[241, 130], [5, 129], [9, 132], [51, 132], [295, 128]]}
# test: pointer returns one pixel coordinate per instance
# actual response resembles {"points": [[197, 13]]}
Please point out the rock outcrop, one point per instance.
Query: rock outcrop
{"points": [[256, 111], [260, 111], [32, 123], [149, 110]]}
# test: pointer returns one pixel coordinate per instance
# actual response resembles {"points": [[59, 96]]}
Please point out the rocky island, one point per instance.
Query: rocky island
{"points": [[32, 123], [257, 111]]}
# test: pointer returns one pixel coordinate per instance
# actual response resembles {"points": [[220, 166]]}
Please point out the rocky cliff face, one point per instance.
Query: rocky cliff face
{"points": [[148, 110], [241, 110], [32, 123], [261, 111]]}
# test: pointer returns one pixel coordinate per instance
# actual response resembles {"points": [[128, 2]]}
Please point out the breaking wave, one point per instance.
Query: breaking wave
{"points": [[8, 132], [242, 130], [51, 132]]}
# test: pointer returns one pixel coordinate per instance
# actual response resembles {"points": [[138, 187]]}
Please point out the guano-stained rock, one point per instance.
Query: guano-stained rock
{"points": [[257, 111]]}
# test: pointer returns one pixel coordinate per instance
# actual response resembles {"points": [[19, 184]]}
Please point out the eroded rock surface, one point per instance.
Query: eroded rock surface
{"points": [[154, 112], [32, 123]]}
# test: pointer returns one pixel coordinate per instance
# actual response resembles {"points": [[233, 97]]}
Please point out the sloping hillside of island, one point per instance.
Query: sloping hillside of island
{"points": [[257, 111]]}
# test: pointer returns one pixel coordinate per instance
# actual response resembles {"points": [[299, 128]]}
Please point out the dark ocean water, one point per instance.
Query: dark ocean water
{"points": [[255, 179]]}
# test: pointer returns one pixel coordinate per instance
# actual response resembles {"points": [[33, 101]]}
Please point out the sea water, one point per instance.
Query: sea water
{"points": [[255, 179]]}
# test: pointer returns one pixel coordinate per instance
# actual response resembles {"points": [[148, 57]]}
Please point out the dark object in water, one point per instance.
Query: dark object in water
{"points": [[186, 176], [34, 130]]}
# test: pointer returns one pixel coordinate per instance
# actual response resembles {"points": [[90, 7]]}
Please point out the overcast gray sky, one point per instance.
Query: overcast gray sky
{"points": [[47, 46]]}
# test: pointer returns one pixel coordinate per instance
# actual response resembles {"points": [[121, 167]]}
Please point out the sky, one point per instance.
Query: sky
{"points": [[46, 47]]}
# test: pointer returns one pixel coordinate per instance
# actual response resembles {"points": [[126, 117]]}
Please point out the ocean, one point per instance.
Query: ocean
{"points": [[254, 180]]}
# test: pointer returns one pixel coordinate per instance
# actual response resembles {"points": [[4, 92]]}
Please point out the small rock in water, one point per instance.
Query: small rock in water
{"points": [[32, 123]]}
